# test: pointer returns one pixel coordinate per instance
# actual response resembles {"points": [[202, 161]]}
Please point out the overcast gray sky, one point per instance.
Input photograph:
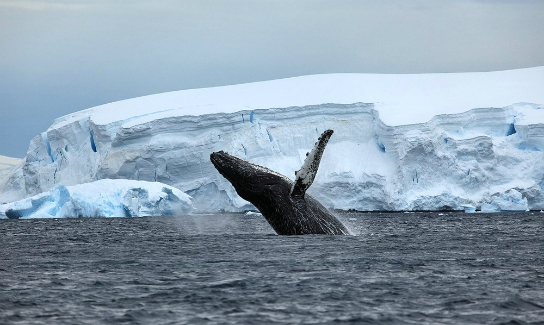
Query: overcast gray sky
{"points": [[58, 57]]}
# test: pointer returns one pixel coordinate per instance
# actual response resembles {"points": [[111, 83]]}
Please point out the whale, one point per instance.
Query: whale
{"points": [[283, 203]]}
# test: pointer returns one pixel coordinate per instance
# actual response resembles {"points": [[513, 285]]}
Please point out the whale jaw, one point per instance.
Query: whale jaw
{"points": [[252, 182]]}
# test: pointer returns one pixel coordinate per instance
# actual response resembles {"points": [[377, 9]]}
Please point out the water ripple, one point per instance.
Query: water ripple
{"points": [[232, 269]]}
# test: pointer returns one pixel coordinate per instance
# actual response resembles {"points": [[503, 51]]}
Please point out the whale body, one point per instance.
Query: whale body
{"points": [[284, 203]]}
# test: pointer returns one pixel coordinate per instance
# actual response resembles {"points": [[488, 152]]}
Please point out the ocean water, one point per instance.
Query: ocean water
{"points": [[417, 268]]}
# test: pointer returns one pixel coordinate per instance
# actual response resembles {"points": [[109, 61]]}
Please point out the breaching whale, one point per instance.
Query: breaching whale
{"points": [[283, 203]]}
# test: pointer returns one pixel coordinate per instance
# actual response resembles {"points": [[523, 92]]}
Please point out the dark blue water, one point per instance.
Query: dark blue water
{"points": [[231, 269]]}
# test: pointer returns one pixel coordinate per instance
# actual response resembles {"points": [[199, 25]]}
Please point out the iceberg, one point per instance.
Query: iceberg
{"points": [[103, 198], [401, 142]]}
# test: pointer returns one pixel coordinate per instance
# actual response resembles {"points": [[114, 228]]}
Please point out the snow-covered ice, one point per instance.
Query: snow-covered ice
{"points": [[103, 198], [401, 142]]}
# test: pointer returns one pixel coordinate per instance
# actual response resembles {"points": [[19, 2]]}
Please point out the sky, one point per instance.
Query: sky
{"points": [[59, 57]]}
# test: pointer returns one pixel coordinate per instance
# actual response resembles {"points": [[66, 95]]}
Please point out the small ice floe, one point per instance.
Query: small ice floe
{"points": [[253, 213], [468, 208], [352, 219], [440, 214]]}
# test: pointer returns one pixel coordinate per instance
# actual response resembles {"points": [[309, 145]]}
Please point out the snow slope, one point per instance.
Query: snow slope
{"points": [[434, 141], [103, 198]]}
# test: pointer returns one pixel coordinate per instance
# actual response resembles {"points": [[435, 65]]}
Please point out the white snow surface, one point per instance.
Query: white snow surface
{"points": [[400, 98], [401, 142], [103, 198]]}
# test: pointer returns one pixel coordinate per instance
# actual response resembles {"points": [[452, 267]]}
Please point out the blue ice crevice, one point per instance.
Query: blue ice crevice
{"points": [[47, 146], [511, 129], [93, 144], [380, 145]]}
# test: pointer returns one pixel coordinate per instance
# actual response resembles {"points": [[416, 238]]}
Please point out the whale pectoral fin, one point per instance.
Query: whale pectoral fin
{"points": [[306, 174]]}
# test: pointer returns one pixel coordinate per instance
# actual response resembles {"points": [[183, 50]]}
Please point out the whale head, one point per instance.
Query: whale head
{"points": [[250, 181]]}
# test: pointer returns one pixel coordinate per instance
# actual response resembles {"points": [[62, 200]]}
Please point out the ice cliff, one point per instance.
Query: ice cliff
{"points": [[103, 198], [7, 164], [401, 142]]}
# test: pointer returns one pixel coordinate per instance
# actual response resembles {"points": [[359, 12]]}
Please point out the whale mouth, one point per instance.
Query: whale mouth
{"points": [[214, 158], [239, 171], [220, 160], [225, 164]]}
